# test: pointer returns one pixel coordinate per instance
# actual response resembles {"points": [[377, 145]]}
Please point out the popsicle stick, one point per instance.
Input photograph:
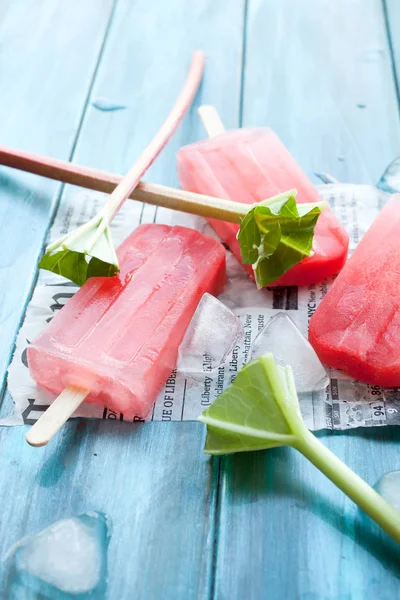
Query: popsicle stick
{"points": [[56, 415], [211, 120], [101, 181]]}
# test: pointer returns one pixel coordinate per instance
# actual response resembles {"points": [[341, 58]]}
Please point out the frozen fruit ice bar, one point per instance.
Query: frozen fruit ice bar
{"points": [[356, 327], [119, 336], [251, 165]]}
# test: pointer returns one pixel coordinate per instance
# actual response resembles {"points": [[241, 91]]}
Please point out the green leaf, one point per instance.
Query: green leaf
{"points": [[99, 268], [277, 234], [259, 410], [85, 252], [69, 264], [250, 239]]}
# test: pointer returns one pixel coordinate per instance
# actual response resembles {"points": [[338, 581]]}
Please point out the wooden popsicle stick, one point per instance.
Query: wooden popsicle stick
{"points": [[101, 181], [56, 415], [211, 120]]}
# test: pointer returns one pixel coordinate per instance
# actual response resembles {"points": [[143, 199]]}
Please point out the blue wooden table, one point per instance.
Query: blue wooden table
{"points": [[324, 75]]}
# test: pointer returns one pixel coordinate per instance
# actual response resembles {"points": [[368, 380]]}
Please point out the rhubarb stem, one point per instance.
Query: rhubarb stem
{"points": [[150, 153], [101, 181], [351, 484]]}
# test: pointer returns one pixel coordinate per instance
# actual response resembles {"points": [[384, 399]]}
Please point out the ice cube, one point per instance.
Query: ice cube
{"points": [[64, 561], [289, 347], [239, 290], [210, 338], [390, 180], [389, 487]]}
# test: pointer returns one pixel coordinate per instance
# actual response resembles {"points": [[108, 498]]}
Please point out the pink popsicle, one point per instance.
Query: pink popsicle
{"points": [[118, 337], [357, 325], [250, 165]]}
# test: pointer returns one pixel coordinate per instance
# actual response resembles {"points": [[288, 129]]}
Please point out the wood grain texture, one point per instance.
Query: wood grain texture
{"points": [[284, 530], [391, 9], [153, 481], [145, 73], [322, 79]]}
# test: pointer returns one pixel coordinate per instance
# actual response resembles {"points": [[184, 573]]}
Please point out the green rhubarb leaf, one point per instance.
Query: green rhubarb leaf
{"points": [[259, 410], [99, 268], [277, 234], [85, 252], [249, 237], [69, 264]]}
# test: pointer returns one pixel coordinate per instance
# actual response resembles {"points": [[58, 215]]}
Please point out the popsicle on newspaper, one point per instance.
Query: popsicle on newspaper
{"points": [[356, 327], [250, 165], [116, 341], [88, 252]]}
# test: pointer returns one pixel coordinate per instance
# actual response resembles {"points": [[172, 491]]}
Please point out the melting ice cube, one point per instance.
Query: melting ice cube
{"points": [[212, 333], [289, 347], [389, 487], [390, 180], [64, 561]]}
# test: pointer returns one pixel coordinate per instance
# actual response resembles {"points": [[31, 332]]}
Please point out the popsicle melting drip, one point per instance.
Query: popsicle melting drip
{"points": [[251, 165], [118, 337]]}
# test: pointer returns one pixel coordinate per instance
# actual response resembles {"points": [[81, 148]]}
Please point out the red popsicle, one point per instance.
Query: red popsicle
{"points": [[251, 165], [356, 328], [118, 337]]}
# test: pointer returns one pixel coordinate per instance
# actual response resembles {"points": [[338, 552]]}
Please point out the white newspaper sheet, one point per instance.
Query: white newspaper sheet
{"points": [[344, 404]]}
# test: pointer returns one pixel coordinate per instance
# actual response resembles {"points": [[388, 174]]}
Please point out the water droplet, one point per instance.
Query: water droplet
{"points": [[341, 158], [362, 105], [107, 105], [373, 55], [390, 180]]}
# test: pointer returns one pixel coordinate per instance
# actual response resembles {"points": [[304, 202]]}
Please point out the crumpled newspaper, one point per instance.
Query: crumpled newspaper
{"points": [[345, 403]]}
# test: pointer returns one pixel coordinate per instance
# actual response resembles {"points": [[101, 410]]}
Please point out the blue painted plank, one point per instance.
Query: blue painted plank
{"points": [[145, 74], [285, 532], [47, 64], [153, 480], [322, 79], [392, 21]]}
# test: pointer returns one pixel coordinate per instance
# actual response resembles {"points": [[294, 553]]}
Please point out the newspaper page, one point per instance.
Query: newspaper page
{"points": [[344, 404]]}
